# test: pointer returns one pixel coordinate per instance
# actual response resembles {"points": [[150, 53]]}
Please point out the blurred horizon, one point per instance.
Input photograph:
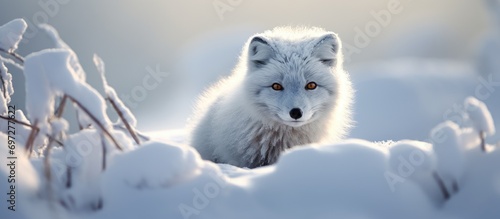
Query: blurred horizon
{"points": [[181, 37]]}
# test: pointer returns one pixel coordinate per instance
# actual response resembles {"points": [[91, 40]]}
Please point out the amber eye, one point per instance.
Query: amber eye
{"points": [[311, 86], [277, 86]]}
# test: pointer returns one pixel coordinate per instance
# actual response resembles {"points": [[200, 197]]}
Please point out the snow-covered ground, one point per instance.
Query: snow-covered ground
{"points": [[111, 170]]}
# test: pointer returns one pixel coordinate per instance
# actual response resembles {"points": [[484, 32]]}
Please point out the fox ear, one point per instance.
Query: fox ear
{"points": [[259, 52], [327, 49]]}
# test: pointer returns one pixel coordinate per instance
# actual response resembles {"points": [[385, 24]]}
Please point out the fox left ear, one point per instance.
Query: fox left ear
{"points": [[259, 52], [327, 49]]}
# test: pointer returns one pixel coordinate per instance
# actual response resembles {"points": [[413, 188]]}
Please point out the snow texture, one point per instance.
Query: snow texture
{"points": [[11, 34]]}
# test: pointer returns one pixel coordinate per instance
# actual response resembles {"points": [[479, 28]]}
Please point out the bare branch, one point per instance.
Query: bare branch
{"points": [[127, 125], [96, 121]]}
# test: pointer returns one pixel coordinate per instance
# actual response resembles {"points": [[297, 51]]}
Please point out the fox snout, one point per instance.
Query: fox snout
{"points": [[296, 113]]}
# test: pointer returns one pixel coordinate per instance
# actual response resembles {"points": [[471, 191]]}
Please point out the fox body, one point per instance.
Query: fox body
{"points": [[288, 89]]}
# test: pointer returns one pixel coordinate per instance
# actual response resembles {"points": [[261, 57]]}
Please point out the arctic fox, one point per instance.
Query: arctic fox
{"points": [[288, 89]]}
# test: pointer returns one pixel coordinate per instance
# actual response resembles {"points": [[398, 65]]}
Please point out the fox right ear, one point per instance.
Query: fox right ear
{"points": [[259, 52]]}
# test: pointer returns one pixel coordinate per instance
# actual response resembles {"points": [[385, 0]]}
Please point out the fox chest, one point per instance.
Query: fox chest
{"points": [[263, 145]]}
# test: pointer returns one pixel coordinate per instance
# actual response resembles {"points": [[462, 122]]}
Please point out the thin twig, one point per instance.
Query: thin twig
{"points": [[96, 121], [19, 122], [139, 134], [29, 126], [127, 125], [13, 54], [442, 187], [80, 126], [483, 143], [60, 108], [54, 140], [31, 139], [103, 153], [68, 177]]}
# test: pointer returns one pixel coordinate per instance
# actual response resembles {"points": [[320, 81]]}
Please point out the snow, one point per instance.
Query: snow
{"points": [[147, 168], [449, 154], [11, 34], [356, 178], [59, 43], [27, 183], [413, 162], [7, 88], [480, 116], [52, 68]]}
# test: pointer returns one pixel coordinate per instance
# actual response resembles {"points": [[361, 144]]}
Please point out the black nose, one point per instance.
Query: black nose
{"points": [[296, 113]]}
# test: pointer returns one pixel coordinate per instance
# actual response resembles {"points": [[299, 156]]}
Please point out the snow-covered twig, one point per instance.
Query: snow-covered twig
{"points": [[139, 134], [30, 126], [481, 119], [18, 122], [14, 55], [96, 121], [12, 62], [120, 108], [127, 125]]}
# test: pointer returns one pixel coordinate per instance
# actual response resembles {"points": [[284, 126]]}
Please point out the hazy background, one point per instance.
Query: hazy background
{"points": [[195, 45]]}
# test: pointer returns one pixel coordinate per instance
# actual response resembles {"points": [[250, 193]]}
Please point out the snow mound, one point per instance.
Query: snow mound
{"points": [[154, 165]]}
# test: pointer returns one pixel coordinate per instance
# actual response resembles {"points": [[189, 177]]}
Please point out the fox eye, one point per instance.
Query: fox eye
{"points": [[311, 86], [277, 86]]}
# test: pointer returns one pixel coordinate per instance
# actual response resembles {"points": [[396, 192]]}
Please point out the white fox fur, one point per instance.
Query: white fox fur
{"points": [[243, 121]]}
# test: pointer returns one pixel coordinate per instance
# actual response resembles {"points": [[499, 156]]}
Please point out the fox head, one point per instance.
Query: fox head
{"points": [[293, 78]]}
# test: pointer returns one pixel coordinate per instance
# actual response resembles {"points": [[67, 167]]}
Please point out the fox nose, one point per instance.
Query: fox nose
{"points": [[296, 113]]}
